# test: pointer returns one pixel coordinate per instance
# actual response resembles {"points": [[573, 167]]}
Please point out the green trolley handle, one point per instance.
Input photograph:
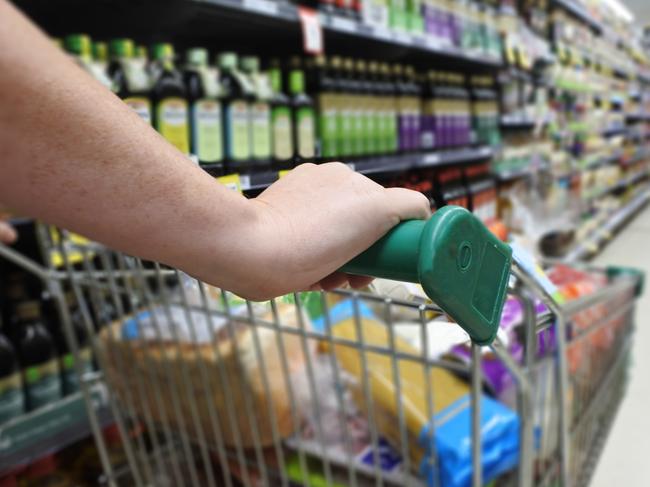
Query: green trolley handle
{"points": [[460, 264]]}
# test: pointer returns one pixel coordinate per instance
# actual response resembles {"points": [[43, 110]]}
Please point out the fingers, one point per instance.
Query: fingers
{"points": [[340, 279], [7, 234], [408, 204], [358, 282]]}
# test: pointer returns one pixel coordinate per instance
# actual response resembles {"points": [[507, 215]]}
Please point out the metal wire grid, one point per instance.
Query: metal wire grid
{"points": [[562, 416]]}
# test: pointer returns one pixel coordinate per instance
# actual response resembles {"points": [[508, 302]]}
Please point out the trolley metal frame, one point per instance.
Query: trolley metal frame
{"points": [[178, 446]]}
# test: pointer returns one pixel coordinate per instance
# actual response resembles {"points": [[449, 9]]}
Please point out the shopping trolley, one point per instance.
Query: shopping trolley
{"points": [[349, 387]]}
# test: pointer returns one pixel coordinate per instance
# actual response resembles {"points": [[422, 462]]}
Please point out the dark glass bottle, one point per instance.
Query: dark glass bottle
{"points": [[12, 400], [304, 126], [38, 358], [129, 76], [203, 92], [281, 122], [237, 97], [70, 379], [259, 112], [169, 98]]}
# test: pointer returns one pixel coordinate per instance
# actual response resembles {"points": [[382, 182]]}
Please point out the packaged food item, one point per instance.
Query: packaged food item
{"points": [[165, 348], [451, 405]]}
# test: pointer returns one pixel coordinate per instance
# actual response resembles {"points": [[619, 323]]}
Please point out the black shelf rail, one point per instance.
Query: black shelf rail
{"points": [[259, 180]]}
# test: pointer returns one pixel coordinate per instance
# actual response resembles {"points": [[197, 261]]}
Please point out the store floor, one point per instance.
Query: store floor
{"points": [[624, 461]]}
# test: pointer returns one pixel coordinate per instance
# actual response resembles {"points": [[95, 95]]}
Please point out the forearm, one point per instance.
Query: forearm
{"points": [[71, 153]]}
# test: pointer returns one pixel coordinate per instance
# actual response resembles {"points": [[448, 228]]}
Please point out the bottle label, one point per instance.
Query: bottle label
{"points": [[282, 142], [135, 71], [206, 131], [344, 127], [12, 401], [172, 123], [42, 384], [237, 133], [141, 106], [69, 372], [358, 130], [306, 130], [261, 130], [210, 81], [328, 128]]}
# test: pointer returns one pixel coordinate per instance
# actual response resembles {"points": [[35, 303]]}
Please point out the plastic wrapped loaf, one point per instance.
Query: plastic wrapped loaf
{"points": [[218, 380]]}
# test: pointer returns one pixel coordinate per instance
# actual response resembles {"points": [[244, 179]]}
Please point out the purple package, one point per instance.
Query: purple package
{"points": [[415, 131], [427, 132]]}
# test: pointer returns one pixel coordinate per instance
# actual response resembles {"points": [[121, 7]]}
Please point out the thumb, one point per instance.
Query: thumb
{"points": [[7, 234]]}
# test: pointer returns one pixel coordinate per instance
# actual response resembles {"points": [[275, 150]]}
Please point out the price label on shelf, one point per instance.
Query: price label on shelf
{"points": [[312, 31], [403, 37], [343, 24], [262, 6], [431, 159], [351, 165], [382, 33], [283, 173], [432, 42], [231, 181]]}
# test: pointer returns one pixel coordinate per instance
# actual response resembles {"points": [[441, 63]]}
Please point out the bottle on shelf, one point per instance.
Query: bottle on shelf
{"points": [[238, 93], [259, 112], [428, 118], [342, 107], [281, 122], [374, 121], [100, 55], [12, 400], [38, 358], [129, 76], [323, 86], [304, 125], [203, 95], [69, 377], [169, 98], [80, 47], [354, 99], [390, 137]]}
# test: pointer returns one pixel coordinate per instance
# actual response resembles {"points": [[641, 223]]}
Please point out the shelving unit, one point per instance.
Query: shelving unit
{"points": [[595, 242], [50, 429]]}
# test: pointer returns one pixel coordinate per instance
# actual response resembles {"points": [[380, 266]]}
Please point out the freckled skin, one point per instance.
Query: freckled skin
{"points": [[74, 155]]}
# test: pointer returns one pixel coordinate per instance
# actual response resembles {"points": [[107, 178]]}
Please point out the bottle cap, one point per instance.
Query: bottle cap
{"points": [[121, 48], [163, 51], [141, 52], [197, 56], [227, 60], [78, 44], [250, 64], [100, 51], [296, 81]]}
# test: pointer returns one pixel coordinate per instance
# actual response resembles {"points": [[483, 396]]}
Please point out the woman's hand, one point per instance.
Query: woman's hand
{"points": [[7, 234], [317, 218]]}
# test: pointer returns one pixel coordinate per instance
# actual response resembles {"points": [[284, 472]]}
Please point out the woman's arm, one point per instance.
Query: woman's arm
{"points": [[72, 154]]}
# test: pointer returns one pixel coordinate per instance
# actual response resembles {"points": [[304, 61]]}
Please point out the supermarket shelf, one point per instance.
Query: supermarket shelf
{"points": [[338, 25], [614, 132], [579, 12], [50, 429], [622, 184], [637, 117], [594, 243], [259, 180], [515, 122]]}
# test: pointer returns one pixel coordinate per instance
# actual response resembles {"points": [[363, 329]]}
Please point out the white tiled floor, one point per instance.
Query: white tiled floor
{"points": [[625, 461]]}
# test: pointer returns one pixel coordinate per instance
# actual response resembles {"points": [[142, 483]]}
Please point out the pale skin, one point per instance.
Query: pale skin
{"points": [[72, 154]]}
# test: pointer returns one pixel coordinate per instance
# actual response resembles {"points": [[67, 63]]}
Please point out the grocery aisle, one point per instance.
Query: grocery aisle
{"points": [[624, 460]]}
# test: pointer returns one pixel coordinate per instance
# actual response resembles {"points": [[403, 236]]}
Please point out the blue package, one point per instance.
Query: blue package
{"points": [[453, 442], [340, 312], [131, 327]]}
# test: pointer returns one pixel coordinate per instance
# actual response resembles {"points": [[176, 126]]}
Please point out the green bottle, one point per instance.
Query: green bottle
{"points": [[203, 94], [129, 77], [281, 123], [260, 111], [238, 93], [168, 98], [304, 123], [80, 47]]}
